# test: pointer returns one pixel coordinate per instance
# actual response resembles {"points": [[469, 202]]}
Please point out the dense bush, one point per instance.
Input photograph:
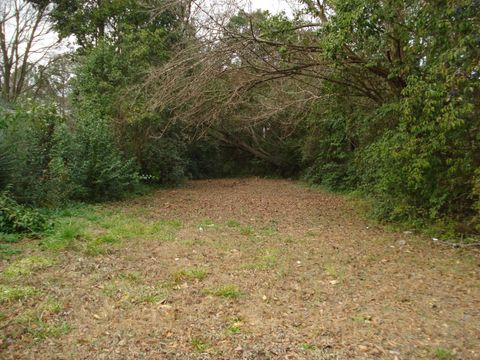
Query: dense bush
{"points": [[15, 218], [53, 160], [415, 150]]}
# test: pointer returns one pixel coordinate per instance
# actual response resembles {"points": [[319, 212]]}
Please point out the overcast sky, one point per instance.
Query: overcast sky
{"points": [[273, 6]]}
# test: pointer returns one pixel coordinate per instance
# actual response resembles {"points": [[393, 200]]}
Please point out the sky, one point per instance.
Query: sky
{"points": [[273, 6]]}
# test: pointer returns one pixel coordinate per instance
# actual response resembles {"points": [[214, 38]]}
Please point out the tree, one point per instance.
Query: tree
{"points": [[26, 40]]}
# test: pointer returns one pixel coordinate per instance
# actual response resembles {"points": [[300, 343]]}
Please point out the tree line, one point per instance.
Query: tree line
{"points": [[377, 97]]}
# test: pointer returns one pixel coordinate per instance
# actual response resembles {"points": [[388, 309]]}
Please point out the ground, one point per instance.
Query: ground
{"points": [[236, 269]]}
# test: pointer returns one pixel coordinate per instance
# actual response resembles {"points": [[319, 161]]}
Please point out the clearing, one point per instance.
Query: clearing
{"points": [[236, 269]]}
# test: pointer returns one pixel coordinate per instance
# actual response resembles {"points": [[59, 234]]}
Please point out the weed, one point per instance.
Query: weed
{"points": [[13, 293], [27, 266]]}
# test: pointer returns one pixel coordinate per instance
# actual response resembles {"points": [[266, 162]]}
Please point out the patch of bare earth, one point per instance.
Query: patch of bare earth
{"points": [[260, 269]]}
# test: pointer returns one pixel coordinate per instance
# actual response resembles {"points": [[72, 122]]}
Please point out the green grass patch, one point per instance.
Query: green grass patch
{"points": [[127, 292], [265, 262], [93, 230], [444, 354], [190, 274], [14, 293], [10, 238], [206, 224], [26, 266], [335, 272], [64, 235], [99, 245], [7, 251], [43, 330], [232, 223], [227, 291], [131, 276], [362, 319], [307, 347], [270, 230], [247, 230], [39, 328], [235, 326], [199, 345]]}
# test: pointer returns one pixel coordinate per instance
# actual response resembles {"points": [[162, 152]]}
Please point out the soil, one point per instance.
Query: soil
{"points": [[288, 273]]}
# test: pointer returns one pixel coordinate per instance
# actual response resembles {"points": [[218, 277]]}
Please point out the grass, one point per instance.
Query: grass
{"points": [[307, 347], [205, 224], [7, 251], [52, 306], [234, 329], [227, 291], [199, 345], [10, 238], [44, 330], [125, 291], [190, 275], [333, 271], [40, 329], [270, 230], [14, 293], [64, 235], [93, 230], [131, 276], [444, 354], [26, 266], [232, 223], [362, 319], [98, 246], [149, 296], [247, 230], [266, 262], [235, 326]]}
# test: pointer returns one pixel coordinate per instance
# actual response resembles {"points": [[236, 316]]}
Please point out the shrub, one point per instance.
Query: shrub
{"points": [[16, 218]]}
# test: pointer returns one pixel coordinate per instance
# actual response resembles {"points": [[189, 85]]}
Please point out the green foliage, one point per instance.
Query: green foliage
{"points": [[16, 218], [413, 148], [56, 160]]}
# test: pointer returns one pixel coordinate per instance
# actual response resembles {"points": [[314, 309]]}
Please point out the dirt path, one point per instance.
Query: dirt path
{"points": [[242, 269]]}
